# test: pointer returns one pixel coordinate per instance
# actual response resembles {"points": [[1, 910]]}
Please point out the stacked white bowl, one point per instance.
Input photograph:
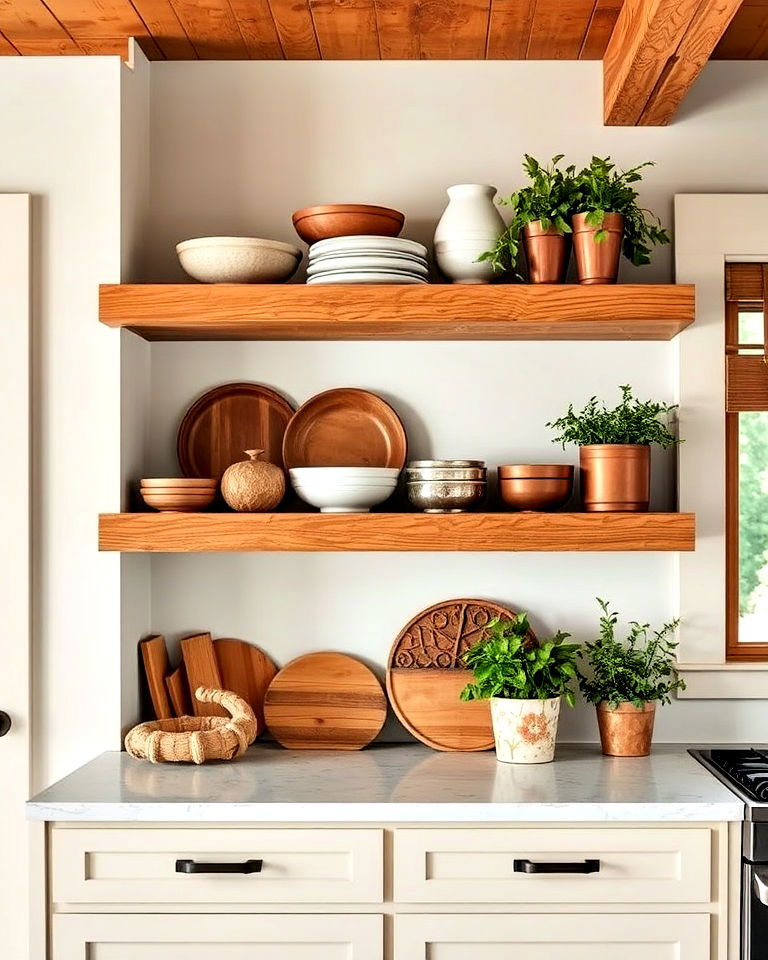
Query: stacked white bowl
{"points": [[344, 489], [367, 259]]}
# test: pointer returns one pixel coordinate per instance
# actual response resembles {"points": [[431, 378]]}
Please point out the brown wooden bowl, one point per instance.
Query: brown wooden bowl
{"points": [[181, 501], [186, 483], [346, 220], [535, 493]]}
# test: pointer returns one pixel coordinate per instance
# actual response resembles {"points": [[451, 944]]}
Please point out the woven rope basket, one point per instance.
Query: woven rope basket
{"points": [[196, 739]]}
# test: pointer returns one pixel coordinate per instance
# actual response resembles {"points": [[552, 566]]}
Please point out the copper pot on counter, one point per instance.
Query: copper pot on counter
{"points": [[547, 253], [626, 730], [597, 261], [615, 477]]}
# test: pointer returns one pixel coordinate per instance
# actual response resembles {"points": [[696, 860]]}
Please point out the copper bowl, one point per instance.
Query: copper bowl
{"points": [[522, 489], [346, 220]]}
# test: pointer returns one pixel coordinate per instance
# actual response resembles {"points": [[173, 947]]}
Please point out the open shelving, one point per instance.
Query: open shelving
{"points": [[425, 312], [480, 532]]}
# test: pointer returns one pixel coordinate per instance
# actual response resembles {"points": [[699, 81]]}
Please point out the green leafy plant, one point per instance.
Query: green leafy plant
{"points": [[549, 198], [637, 670], [632, 421], [600, 189], [509, 663]]}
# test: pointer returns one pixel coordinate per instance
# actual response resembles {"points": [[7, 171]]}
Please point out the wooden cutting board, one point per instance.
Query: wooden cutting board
{"points": [[325, 701], [202, 671], [154, 656], [247, 671], [425, 675], [178, 692]]}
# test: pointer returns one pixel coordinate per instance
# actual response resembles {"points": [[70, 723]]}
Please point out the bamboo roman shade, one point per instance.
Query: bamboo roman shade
{"points": [[746, 285]]}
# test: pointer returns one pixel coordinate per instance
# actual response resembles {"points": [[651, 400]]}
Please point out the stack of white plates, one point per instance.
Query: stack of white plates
{"points": [[367, 260]]}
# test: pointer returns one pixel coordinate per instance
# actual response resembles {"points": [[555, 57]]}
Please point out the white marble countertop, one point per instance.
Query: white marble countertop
{"points": [[391, 783]]}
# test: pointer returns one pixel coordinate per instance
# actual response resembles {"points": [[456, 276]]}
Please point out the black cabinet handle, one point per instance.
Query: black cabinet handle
{"points": [[530, 866], [5, 723], [192, 866]]}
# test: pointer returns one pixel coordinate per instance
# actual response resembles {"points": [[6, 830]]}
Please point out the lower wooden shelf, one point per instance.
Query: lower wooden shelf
{"points": [[478, 532]]}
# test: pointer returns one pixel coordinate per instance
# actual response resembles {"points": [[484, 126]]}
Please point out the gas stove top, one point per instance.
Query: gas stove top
{"points": [[745, 771]]}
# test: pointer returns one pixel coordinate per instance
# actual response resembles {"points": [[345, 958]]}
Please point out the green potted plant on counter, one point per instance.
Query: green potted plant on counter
{"points": [[614, 449], [627, 679], [542, 218], [608, 220], [524, 679]]}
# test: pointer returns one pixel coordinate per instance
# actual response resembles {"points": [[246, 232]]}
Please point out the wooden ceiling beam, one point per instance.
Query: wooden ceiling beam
{"points": [[656, 51]]}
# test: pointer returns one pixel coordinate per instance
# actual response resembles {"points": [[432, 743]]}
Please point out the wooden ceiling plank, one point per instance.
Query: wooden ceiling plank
{"points": [[658, 44], [695, 49], [398, 31], [107, 18], [601, 24], [166, 29], [7, 49], [747, 33], [30, 20], [453, 29], [509, 30], [559, 28], [212, 29], [118, 47], [293, 22], [257, 28], [65, 47], [346, 29]]}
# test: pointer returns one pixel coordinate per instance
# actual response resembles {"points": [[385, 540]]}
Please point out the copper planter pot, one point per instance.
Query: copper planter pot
{"points": [[615, 477], [626, 731], [547, 253], [597, 262]]}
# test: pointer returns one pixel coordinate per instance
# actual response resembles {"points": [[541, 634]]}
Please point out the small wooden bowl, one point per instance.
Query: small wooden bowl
{"points": [[346, 220], [187, 483], [520, 489], [179, 501]]}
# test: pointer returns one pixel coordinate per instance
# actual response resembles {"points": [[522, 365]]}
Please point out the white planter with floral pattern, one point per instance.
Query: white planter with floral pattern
{"points": [[525, 730]]}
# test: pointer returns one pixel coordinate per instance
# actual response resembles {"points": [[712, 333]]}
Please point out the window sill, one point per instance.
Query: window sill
{"points": [[724, 681]]}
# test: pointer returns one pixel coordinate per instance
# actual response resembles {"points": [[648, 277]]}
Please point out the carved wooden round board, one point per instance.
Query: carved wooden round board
{"points": [[425, 675]]}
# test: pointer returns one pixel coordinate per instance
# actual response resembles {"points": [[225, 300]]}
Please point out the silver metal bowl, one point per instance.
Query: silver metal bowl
{"points": [[445, 473], [446, 496], [417, 464]]}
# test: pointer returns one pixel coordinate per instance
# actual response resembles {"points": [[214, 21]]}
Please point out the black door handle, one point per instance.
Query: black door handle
{"points": [[530, 866], [192, 866], [5, 723]]}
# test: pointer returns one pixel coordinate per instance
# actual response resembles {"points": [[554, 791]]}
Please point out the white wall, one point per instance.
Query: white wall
{"points": [[236, 147]]}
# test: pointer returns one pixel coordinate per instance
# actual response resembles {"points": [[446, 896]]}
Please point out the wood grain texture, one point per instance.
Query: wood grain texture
{"points": [[295, 29], [747, 35], [107, 18], [7, 49], [202, 670], [746, 383], [504, 532], [257, 28], [212, 29], [558, 29], [178, 692], [28, 23], [247, 671], [656, 51], [509, 29], [346, 29], [154, 656], [426, 30], [325, 701], [165, 27], [599, 30], [429, 312]]}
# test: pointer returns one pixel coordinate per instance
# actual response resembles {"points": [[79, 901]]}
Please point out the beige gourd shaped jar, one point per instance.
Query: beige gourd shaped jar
{"points": [[254, 485]]}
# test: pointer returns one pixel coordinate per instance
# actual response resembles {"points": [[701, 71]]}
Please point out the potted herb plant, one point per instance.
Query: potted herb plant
{"points": [[614, 449], [608, 220], [627, 679], [542, 217], [524, 680]]}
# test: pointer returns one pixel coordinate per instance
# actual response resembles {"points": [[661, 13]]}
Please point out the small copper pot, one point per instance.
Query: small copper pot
{"points": [[547, 253], [627, 730], [597, 262], [615, 477], [535, 486]]}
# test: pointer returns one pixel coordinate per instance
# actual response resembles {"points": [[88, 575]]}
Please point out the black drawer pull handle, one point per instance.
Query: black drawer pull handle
{"points": [[530, 866], [192, 866]]}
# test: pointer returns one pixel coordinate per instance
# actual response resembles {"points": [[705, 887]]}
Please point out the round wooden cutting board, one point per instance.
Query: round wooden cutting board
{"points": [[247, 671], [425, 675], [325, 701], [221, 425]]}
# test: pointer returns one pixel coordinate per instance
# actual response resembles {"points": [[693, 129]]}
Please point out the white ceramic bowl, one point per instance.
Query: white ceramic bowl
{"points": [[338, 495], [238, 259], [344, 473]]}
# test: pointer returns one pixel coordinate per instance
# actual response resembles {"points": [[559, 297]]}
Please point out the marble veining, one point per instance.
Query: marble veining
{"points": [[392, 783]]}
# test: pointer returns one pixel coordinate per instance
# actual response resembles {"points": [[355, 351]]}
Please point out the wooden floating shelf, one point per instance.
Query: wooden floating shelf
{"points": [[479, 532], [296, 311]]}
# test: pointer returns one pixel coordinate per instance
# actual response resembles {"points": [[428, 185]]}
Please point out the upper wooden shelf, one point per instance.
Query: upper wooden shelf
{"points": [[480, 532], [296, 311]]}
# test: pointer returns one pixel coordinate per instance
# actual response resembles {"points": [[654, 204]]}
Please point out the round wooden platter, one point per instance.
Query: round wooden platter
{"points": [[247, 671], [345, 427], [325, 701], [425, 675], [226, 421]]}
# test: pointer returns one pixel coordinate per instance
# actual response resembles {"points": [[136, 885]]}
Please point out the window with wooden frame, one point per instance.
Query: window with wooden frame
{"points": [[746, 444]]}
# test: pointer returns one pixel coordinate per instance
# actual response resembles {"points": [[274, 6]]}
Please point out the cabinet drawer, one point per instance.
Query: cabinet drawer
{"points": [[234, 937], [478, 866], [139, 866], [546, 936]]}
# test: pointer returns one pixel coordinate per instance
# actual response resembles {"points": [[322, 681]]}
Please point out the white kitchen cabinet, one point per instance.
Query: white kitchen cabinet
{"points": [[232, 937], [547, 936]]}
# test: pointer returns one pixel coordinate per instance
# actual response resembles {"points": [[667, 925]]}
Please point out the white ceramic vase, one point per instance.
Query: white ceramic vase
{"points": [[525, 730], [470, 225]]}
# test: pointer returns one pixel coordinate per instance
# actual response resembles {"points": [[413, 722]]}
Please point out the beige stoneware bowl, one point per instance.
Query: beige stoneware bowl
{"points": [[238, 259]]}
